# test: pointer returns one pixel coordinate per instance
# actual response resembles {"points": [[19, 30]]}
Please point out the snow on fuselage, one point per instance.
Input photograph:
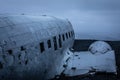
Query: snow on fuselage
{"points": [[32, 47]]}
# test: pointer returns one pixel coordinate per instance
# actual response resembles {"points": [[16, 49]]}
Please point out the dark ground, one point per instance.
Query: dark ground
{"points": [[82, 45]]}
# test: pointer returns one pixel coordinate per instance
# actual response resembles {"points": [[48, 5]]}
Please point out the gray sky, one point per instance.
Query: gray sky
{"points": [[101, 17]]}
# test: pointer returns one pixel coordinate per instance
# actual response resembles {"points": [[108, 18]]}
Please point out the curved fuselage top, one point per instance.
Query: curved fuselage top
{"points": [[33, 45], [20, 30]]}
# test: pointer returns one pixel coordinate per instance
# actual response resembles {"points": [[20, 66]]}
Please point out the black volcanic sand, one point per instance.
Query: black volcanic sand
{"points": [[82, 45]]}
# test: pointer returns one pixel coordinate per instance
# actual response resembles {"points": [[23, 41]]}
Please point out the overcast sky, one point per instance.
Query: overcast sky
{"points": [[101, 17]]}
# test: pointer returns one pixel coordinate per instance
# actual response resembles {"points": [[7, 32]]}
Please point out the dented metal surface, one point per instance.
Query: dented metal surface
{"points": [[20, 48]]}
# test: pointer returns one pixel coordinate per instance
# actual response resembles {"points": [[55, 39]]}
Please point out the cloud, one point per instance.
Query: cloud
{"points": [[102, 16]]}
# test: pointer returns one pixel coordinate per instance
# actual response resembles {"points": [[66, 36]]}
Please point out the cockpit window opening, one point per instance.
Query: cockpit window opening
{"points": [[55, 43], [63, 37], [49, 43], [60, 41], [69, 34], [73, 33], [10, 51], [42, 48], [66, 35]]}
